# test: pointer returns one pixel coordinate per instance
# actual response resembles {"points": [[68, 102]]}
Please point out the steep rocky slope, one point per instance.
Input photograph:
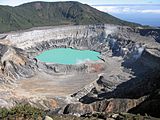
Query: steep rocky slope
{"points": [[15, 62], [126, 75], [155, 33]]}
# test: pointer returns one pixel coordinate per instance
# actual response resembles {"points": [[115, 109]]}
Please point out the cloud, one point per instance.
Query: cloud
{"points": [[151, 11], [79, 61], [128, 9]]}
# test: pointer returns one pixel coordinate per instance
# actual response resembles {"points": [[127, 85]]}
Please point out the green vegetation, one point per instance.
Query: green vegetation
{"points": [[38, 14], [26, 112]]}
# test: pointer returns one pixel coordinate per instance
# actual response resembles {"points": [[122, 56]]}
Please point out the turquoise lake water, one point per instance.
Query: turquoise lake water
{"points": [[67, 56]]}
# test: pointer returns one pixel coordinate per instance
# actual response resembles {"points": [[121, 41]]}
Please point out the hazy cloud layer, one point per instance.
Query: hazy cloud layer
{"points": [[129, 9]]}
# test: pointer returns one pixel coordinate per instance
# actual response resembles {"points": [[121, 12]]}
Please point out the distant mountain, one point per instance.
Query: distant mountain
{"points": [[36, 14]]}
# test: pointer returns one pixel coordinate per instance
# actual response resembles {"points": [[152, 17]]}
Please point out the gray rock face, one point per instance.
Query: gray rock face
{"points": [[127, 72], [155, 33], [15, 63], [104, 106]]}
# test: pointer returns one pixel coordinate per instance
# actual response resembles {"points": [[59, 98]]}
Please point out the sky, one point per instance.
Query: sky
{"points": [[90, 2]]}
